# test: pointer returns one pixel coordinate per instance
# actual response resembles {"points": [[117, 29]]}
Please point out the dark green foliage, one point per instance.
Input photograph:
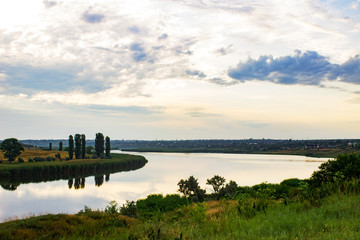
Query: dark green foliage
{"points": [[50, 146], [216, 182], [190, 189], [83, 146], [11, 148], [20, 160], [129, 209], [50, 159], [112, 208], [229, 190], [107, 147], [60, 146], [77, 146], [156, 203], [344, 167], [58, 156], [89, 149], [71, 147], [99, 144]]}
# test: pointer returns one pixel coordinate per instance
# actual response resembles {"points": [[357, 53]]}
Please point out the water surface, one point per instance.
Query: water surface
{"points": [[160, 175]]}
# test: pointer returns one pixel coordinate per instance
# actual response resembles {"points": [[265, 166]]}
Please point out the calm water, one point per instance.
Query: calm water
{"points": [[160, 175]]}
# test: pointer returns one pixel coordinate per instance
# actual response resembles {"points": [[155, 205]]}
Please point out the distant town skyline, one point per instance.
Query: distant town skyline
{"points": [[166, 69]]}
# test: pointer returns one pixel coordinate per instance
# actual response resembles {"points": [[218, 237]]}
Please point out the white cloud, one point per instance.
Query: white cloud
{"points": [[159, 53]]}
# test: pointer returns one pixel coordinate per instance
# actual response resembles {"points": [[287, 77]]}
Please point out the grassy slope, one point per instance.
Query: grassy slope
{"points": [[338, 217], [40, 153]]}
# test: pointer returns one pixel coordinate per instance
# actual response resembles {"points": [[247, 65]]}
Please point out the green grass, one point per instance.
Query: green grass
{"points": [[338, 217]]}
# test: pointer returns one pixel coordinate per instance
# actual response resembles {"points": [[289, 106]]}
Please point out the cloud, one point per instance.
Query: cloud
{"points": [[164, 36], [139, 53], [195, 73], [308, 68], [253, 124], [92, 17], [225, 51], [134, 29], [32, 79], [125, 109], [49, 3]]}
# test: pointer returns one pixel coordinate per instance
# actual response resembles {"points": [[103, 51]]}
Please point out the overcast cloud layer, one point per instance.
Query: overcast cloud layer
{"points": [[180, 69]]}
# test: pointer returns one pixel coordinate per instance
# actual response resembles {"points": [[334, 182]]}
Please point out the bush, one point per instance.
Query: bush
{"points": [[39, 159], [30, 160], [129, 209], [0, 161], [50, 159], [20, 160], [58, 156], [112, 208], [67, 159]]}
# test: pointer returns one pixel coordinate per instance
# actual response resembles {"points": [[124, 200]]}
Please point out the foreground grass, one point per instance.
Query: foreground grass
{"points": [[337, 217]]}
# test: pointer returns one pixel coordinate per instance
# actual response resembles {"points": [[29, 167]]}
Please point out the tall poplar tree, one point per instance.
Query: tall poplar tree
{"points": [[107, 147], [83, 146], [77, 146], [60, 146], [99, 144], [71, 147]]}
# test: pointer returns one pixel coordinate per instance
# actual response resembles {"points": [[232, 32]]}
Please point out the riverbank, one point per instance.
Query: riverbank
{"points": [[56, 169], [325, 206], [323, 153], [336, 216]]}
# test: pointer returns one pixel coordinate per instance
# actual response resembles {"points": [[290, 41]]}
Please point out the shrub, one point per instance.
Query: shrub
{"points": [[112, 208], [30, 160], [67, 158], [20, 160], [58, 156], [50, 159], [39, 159], [129, 209]]}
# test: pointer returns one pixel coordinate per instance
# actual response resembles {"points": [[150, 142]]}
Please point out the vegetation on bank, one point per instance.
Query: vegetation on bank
{"points": [[49, 168], [322, 153], [325, 206]]}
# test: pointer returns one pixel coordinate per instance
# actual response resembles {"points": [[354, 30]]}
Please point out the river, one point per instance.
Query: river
{"points": [[160, 175]]}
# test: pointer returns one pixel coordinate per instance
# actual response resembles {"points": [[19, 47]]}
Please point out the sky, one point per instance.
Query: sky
{"points": [[180, 69]]}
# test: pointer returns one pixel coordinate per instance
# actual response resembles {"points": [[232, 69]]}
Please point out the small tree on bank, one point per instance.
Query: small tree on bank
{"points": [[71, 147], [77, 146], [50, 146], [107, 147], [60, 146], [99, 144], [11, 148]]}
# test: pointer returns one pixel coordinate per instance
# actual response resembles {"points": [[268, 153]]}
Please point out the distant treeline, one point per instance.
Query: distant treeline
{"points": [[231, 145]]}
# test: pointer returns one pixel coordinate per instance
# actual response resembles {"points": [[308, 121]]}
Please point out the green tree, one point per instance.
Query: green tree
{"points": [[71, 147], [107, 147], [89, 149], [190, 188], [50, 146], [11, 148], [77, 146], [99, 144], [216, 182], [60, 146], [83, 146]]}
